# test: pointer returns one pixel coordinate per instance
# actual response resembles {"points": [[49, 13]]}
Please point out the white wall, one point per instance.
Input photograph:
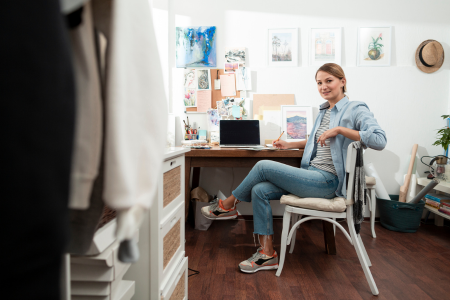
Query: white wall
{"points": [[406, 102]]}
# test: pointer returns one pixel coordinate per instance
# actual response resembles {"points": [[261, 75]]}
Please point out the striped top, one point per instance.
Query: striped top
{"points": [[323, 159]]}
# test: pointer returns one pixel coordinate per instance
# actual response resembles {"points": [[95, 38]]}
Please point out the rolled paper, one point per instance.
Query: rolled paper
{"points": [[425, 190], [380, 190]]}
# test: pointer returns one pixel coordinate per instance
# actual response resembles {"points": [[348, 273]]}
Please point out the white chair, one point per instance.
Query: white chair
{"points": [[353, 238], [370, 185]]}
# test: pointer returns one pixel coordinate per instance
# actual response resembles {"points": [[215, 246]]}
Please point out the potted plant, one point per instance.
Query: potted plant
{"points": [[375, 48], [443, 136]]}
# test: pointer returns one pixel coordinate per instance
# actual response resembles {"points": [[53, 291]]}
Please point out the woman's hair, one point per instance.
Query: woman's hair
{"points": [[335, 70]]}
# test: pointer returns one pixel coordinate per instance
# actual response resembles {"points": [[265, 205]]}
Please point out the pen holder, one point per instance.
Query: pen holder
{"points": [[190, 136]]}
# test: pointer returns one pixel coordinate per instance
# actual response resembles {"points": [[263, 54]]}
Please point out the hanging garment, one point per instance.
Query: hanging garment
{"points": [[37, 118], [360, 193], [134, 109]]}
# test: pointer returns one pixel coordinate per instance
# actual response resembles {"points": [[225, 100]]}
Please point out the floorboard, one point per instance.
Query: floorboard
{"points": [[404, 265]]}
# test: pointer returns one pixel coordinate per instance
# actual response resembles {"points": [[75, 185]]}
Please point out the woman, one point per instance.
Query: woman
{"points": [[322, 172]]}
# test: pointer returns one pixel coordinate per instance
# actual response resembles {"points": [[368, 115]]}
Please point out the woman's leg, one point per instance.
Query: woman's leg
{"points": [[262, 193], [301, 182]]}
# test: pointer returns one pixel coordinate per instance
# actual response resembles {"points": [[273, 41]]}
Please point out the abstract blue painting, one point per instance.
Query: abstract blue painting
{"points": [[196, 46]]}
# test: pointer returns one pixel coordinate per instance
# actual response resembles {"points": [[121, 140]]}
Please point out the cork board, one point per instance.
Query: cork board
{"points": [[180, 290], [171, 243], [172, 185], [271, 100], [216, 95]]}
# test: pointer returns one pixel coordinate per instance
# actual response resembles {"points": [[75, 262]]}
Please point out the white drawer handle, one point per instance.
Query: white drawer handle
{"points": [[173, 162], [173, 220]]}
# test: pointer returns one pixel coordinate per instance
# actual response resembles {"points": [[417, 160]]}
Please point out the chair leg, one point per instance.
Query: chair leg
{"points": [[284, 235], [360, 252], [334, 227], [295, 218], [373, 209], [366, 256]]}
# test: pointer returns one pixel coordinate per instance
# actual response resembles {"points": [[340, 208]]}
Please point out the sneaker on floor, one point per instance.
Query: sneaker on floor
{"points": [[259, 261], [216, 211]]}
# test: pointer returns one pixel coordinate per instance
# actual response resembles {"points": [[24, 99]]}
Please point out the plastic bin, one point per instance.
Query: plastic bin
{"points": [[400, 216]]}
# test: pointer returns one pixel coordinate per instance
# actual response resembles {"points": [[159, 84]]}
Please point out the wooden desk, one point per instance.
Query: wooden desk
{"points": [[217, 157]]}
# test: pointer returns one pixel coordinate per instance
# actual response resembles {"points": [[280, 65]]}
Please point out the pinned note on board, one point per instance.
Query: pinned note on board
{"points": [[236, 111]]}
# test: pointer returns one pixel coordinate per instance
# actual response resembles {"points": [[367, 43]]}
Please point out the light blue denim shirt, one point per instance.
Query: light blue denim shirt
{"points": [[350, 114]]}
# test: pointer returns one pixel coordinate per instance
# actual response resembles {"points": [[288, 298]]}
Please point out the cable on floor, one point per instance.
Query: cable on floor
{"points": [[195, 272]]}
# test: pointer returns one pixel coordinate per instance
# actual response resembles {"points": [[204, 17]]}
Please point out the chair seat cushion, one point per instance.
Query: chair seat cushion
{"points": [[334, 205]]}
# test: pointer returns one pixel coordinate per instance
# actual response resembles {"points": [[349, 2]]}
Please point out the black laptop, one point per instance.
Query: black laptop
{"points": [[239, 133]]}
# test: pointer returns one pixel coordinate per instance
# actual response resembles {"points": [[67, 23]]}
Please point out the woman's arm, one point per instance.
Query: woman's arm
{"points": [[347, 132], [289, 145]]}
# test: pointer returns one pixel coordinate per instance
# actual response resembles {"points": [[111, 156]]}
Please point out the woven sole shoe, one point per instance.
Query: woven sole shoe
{"points": [[259, 261], [216, 211]]}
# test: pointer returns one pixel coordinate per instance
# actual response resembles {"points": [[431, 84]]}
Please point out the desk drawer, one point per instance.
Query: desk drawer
{"points": [[172, 187], [172, 241], [176, 287]]}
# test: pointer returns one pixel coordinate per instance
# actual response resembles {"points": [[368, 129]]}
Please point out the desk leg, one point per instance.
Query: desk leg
{"points": [[330, 242], [187, 180], [195, 178]]}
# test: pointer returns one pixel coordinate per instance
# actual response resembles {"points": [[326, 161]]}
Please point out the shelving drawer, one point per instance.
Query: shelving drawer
{"points": [[172, 241], [172, 186], [177, 285]]}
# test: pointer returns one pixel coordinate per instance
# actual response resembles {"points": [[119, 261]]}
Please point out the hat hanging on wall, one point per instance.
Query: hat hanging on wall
{"points": [[429, 56]]}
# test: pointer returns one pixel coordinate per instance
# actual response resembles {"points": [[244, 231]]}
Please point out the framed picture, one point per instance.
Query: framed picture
{"points": [[196, 46], [374, 46], [282, 47], [325, 46], [296, 122]]}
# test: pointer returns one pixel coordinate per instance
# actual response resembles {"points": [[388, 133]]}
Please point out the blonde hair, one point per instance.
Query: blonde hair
{"points": [[335, 70]]}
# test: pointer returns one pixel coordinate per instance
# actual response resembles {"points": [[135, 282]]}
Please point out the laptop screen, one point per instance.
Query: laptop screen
{"points": [[239, 132]]}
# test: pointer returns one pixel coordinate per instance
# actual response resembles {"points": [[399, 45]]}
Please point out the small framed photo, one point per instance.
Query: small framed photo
{"points": [[325, 46], [282, 46], [374, 46], [296, 122]]}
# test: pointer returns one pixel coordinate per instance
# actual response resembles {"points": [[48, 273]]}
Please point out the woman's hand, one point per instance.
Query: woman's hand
{"points": [[327, 134], [280, 144]]}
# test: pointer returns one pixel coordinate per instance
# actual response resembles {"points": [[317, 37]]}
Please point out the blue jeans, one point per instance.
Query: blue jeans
{"points": [[269, 180]]}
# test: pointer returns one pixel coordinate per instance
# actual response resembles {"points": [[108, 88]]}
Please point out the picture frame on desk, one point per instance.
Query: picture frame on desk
{"points": [[296, 121]]}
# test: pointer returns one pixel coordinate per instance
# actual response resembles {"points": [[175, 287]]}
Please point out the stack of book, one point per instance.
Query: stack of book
{"points": [[439, 202], [445, 207]]}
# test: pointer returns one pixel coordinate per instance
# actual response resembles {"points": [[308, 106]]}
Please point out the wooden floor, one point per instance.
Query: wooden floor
{"points": [[405, 265]]}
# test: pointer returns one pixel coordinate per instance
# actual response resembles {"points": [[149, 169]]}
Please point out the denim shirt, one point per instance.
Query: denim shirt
{"points": [[350, 114]]}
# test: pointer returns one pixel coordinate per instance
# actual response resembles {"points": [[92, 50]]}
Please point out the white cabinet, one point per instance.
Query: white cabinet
{"points": [[162, 270]]}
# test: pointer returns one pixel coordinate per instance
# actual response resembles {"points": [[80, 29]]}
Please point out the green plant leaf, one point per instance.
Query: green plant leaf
{"points": [[445, 116]]}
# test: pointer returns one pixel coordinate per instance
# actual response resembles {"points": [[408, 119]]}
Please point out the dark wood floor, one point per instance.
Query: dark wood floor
{"points": [[405, 265]]}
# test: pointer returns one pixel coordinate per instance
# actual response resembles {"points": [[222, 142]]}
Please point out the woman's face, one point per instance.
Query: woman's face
{"points": [[330, 87]]}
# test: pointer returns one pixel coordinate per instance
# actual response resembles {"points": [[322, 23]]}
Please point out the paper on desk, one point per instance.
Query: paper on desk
{"points": [[203, 100], [270, 125], [227, 86]]}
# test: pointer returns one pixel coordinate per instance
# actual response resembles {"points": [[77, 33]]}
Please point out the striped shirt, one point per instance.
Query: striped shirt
{"points": [[323, 160]]}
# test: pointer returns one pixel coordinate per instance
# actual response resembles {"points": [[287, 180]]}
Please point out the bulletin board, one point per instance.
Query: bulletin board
{"points": [[216, 95]]}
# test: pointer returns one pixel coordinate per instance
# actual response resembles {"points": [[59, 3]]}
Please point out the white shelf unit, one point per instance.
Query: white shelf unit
{"points": [[444, 187]]}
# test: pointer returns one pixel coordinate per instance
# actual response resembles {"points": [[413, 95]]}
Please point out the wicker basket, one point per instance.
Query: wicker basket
{"points": [[399, 216]]}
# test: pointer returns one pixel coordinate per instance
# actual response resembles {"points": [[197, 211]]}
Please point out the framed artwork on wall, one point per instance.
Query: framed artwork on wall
{"points": [[196, 46], [282, 46], [296, 122], [374, 46], [325, 46]]}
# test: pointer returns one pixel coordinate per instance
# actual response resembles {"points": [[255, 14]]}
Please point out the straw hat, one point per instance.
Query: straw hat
{"points": [[429, 56]]}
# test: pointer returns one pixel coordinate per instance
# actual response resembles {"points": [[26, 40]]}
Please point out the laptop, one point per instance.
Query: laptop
{"points": [[239, 133]]}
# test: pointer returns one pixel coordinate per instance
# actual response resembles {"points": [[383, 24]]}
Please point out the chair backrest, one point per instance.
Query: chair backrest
{"points": [[350, 167]]}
